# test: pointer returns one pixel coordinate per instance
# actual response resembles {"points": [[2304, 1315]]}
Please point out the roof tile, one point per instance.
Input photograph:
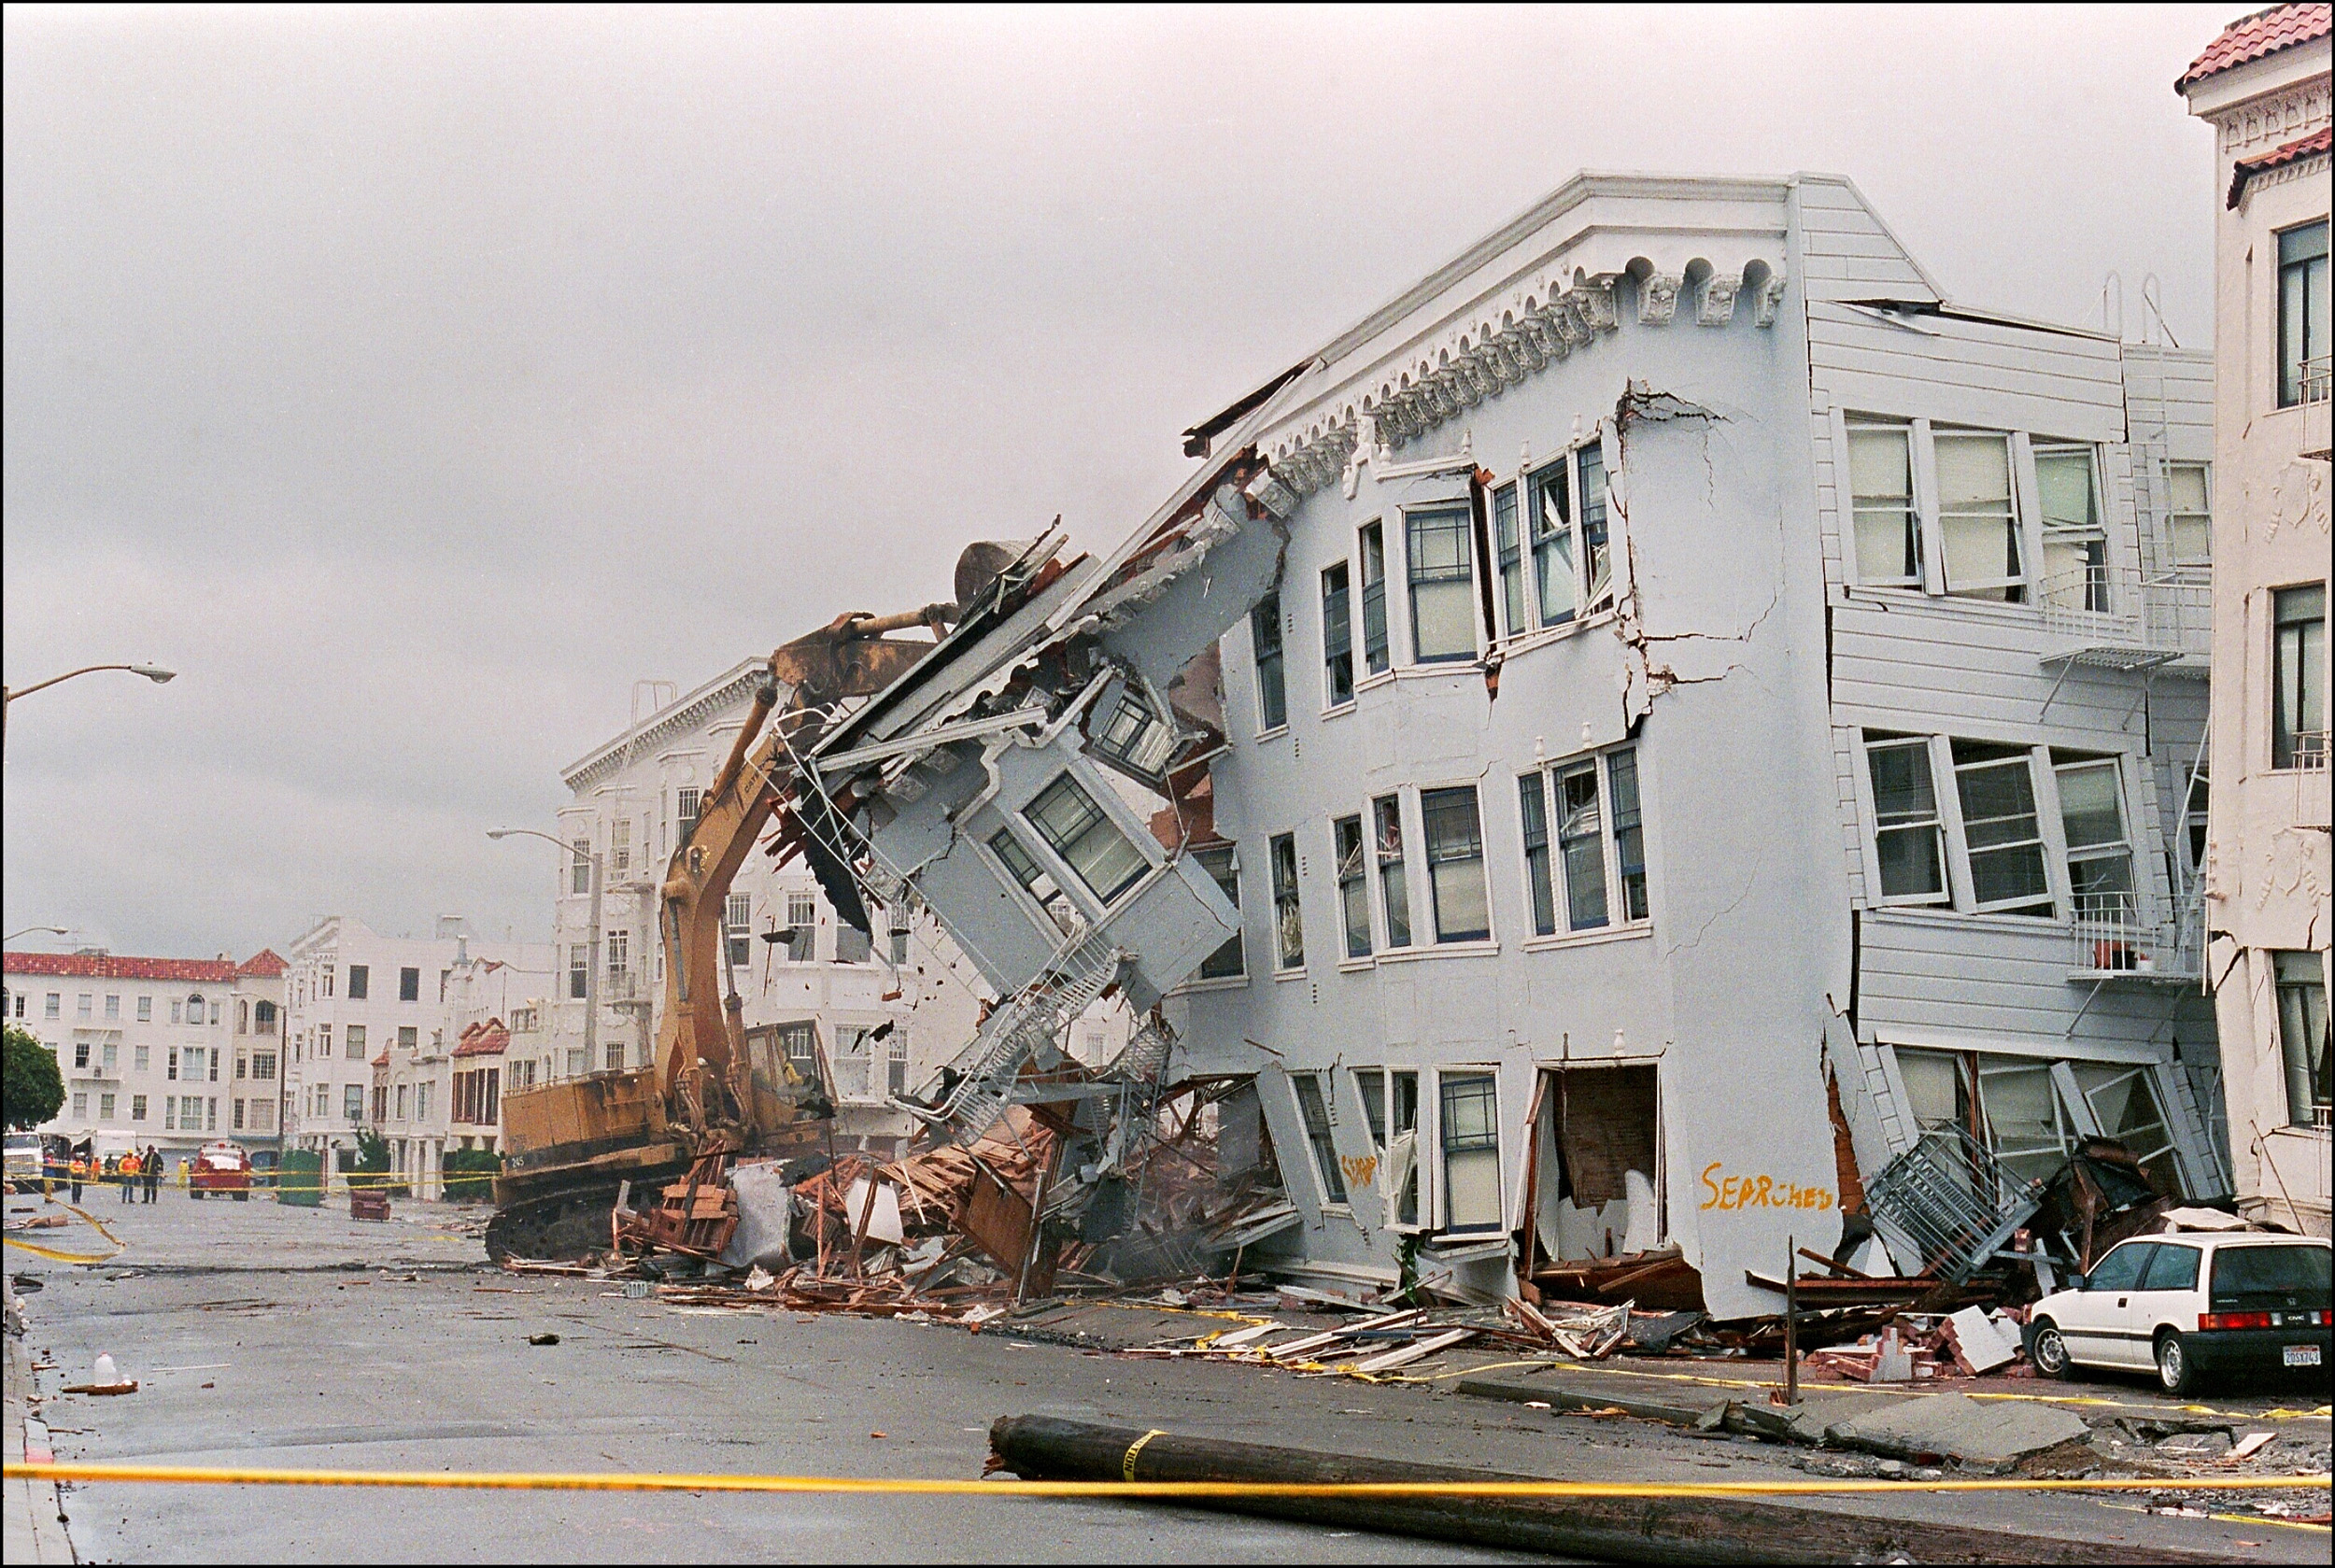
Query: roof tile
{"points": [[2264, 31], [92, 966]]}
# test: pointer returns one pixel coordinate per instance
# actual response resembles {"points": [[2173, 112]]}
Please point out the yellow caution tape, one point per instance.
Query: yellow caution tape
{"points": [[1126, 1466], [532, 1481], [57, 1255]]}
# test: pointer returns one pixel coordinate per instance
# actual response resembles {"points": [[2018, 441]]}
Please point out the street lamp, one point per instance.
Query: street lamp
{"points": [[591, 962], [57, 930], [153, 672]]}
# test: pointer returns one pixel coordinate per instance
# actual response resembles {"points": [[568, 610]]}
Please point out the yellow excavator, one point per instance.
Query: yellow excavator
{"points": [[572, 1149]]}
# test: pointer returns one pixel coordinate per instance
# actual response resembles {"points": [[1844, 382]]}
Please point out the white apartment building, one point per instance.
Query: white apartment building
{"points": [[2264, 86], [441, 1093], [884, 1013], [364, 1006], [173, 1053]]}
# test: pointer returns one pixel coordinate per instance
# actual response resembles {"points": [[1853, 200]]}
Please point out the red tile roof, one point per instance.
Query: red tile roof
{"points": [[89, 966], [2317, 142], [267, 964], [489, 1038], [2251, 37]]}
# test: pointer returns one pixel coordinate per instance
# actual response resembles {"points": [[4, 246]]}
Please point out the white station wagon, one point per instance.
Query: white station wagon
{"points": [[2191, 1305]]}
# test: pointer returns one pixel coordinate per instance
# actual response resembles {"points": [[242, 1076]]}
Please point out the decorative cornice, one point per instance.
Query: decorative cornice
{"points": [[2281, 116], [691, 712], [1480, 356]]}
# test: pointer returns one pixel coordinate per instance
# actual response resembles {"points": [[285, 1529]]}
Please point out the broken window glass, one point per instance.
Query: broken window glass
{"points": [[1264, 639], [1222, 862], [1289, 924], [1629, 833], [1393, 884], [1881, 486], [1471, 1150], [1596, 560], [2028, 1125], [2074, 544], [1978, 525], [1133, 732], [1402, 1088], [1316, 1113], [2298, 678], [1373, 645], [1354, 886], [1581, 838], [1070, 820], [1338, 639], [1908, 839], [1552, 544], [1034, 879], [2123, 1101], [1370, 1088], [1442, 586], [2100, 857], [1455, 864], [1997, 787], [1532, 796], [2302, 1035], [1508, 543]]}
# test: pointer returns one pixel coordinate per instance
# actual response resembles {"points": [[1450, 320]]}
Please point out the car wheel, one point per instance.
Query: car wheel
{"points": [[2049, 1350], [243, 1197], [2175, 1372]]}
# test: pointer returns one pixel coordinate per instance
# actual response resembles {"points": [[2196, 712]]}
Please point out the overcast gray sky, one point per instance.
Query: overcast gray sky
{"points": [[415, 381]]}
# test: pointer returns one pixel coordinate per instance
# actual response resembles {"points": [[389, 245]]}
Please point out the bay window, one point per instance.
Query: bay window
{"points": [[1531, 799], [1314, 1111], [1455, 864], [1470, 1128], [1289, 920], [1222, 861], [1386, 814], [1338, 639], [1089, 843], [1572, 558], [1581, 840], [1034, 880], [1629, 833], [1354, 885], [1441, 564], [1595, 872], [1265, 641], [1506, 541], [1374, 642]]}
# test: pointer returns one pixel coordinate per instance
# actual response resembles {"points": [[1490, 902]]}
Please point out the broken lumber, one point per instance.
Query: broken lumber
{"points": [[1684, 1530]]}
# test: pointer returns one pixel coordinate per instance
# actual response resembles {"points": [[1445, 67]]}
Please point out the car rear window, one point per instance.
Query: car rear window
{"points": [[2243, 1269], [2174, 1268]]}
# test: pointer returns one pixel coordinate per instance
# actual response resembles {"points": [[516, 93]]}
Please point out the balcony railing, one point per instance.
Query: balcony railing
{"points": [[2111, 608], [2318, 375], [2129, 936], [2305, 751]]}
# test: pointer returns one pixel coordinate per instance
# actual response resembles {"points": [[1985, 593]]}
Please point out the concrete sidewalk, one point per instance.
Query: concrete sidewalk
{"points": [[31, 1518]]}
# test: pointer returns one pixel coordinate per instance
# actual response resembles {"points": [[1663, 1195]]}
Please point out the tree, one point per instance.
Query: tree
{"points": [[31, 1090]]}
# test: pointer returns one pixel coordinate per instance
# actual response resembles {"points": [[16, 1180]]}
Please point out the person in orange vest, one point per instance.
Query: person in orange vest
{"points": [[128, 1172]]}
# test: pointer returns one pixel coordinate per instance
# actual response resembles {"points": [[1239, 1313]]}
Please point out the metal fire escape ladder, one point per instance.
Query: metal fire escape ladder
{"points": [[982, 1080]]}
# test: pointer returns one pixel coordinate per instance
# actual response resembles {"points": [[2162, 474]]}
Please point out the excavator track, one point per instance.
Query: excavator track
{"points": [[564, 1226]]}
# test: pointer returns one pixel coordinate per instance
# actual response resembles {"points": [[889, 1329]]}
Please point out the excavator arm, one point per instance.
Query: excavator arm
{"points": [[702, 1068]]}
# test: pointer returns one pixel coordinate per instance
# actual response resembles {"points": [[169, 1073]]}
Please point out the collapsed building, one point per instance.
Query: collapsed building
{"points": [[1667, 723]]}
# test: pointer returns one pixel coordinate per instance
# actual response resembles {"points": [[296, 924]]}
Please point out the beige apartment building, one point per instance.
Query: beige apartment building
{"points": [[2264, 86]]}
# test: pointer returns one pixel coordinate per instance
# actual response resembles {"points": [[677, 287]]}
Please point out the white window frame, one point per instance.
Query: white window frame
{"points": [[1430, 1121], [1929, 529], [1331, 701], [1364, 675], [2174, 513], [1436, 941], [1852, 425], [1870, 805], [2039, 448], [1423, 1091], [1324, 1081], [1618, 922], [1265, 728], [1465, 509], [1297, 899]]}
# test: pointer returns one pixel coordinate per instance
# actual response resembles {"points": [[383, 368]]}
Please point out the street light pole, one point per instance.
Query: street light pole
{"points": [[591, 961], [57, 930], [8, 695]]}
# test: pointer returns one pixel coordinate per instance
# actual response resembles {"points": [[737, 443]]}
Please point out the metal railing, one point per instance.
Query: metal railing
{"points": [[2130, 934], [1944, 1205], [2113, 607], [2318, 377], [2306, 752]]}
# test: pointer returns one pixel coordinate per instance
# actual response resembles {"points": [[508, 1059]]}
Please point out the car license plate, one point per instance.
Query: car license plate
{"points": [[2302, 1355]]}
